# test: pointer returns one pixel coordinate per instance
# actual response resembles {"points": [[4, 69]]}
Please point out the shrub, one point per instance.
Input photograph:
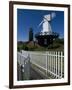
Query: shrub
{"points": [[53, 46], [22, 47]]}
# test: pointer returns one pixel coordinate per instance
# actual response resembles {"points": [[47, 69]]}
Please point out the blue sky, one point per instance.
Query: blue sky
{"points": [[31, 18]]}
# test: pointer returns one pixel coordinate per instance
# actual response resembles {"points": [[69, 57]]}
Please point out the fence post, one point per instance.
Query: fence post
{"points": [[22, 72], [28, 66], [61, 64], [48, 59], [46, 64], [56, 64], [20, 69], [52, 61]]}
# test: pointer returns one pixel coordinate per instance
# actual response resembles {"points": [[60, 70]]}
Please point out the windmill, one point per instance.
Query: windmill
{"points": [[46, 27], [46, 35]]}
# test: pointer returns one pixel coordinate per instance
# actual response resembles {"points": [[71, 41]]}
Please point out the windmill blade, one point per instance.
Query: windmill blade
{"points": [[40, 23], [53, 14]]}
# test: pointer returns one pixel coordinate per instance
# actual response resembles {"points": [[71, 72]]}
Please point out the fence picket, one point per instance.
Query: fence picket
{"points": [[46, 64], [50, 60], [61, 64], [53, 62], [56, 64]]}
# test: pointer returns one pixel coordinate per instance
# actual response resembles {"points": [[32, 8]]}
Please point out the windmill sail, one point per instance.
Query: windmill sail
{"points": [[40, 23], [53, 15], [46, 27]]}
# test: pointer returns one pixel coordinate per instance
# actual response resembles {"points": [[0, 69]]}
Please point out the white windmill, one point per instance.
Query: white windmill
{"points": [[46, 27], [46, 36]]}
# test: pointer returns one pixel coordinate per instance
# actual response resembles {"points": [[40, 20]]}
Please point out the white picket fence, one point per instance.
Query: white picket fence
{"points": [[52, 62]]}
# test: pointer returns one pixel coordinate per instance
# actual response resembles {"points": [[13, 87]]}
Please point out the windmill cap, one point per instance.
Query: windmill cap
{"points": [[47, 17], [50, 16]]}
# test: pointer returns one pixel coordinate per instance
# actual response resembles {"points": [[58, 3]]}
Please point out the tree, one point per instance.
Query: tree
{"points": [[30, 34]]}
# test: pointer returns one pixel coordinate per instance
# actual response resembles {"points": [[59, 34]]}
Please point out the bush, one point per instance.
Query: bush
{"points": [[32, 48], [22, 47], [18, 48], [59, 41], [53, 46]]}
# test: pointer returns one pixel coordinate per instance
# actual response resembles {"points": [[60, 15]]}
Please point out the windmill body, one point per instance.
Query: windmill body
{"points": [[46, 27]]}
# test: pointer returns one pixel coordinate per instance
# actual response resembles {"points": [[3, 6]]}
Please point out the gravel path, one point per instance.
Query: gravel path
{"points": [[34, 75]]}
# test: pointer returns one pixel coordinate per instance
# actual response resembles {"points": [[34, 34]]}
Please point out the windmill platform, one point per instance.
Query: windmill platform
{"points": [[46, 39]]}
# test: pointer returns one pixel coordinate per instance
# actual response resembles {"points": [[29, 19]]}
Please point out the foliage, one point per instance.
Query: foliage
{"points": [[54, 46], [57, 44], [22, 47], [60, 41]]}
